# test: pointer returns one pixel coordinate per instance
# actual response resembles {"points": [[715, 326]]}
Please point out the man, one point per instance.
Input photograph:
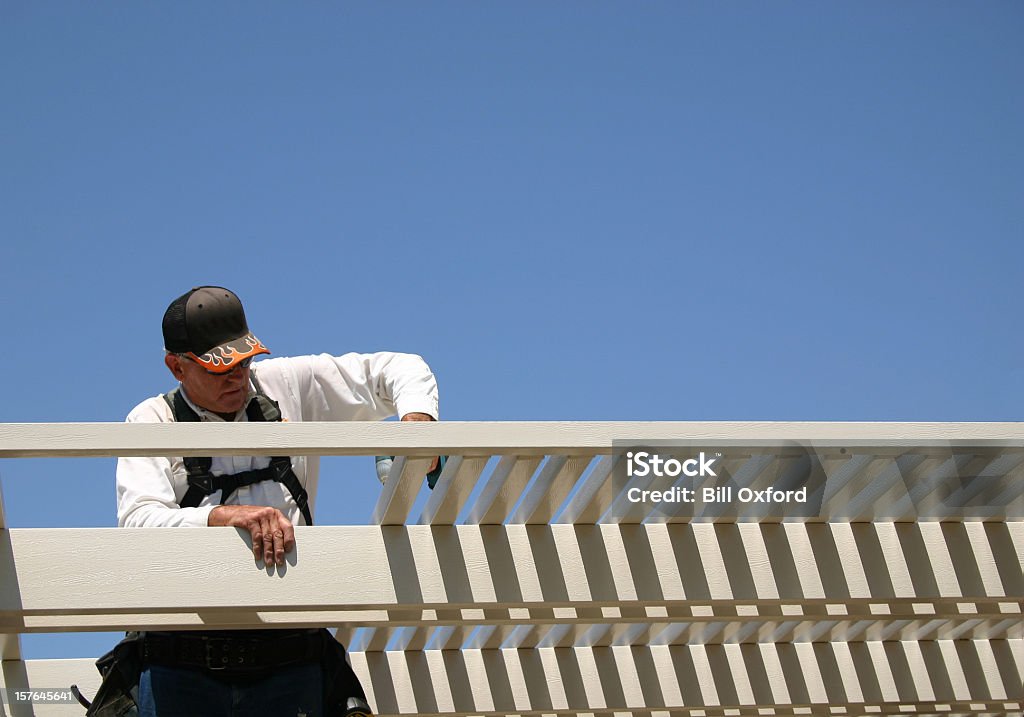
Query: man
{"points": [[209, 350]]}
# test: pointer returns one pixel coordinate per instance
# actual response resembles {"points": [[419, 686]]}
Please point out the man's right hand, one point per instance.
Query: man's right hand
{"points": [[272, 533]]}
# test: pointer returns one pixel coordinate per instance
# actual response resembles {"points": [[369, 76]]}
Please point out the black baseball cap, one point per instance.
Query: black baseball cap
{"points": [[208, 325]]}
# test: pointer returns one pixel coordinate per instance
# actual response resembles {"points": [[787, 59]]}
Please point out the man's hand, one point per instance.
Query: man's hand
{"points": [[272, 533], [422, 417]]}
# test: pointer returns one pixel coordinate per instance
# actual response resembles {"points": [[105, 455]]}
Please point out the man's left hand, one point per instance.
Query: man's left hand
{"points": [[422, 417]]}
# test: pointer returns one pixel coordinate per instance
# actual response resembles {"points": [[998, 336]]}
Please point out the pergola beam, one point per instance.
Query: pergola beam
{"points": [[481, 567], [526, 438], [948, 677]]}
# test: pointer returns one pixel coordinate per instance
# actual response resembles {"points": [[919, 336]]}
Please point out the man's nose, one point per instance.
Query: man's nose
{"points": [[238, 374]]}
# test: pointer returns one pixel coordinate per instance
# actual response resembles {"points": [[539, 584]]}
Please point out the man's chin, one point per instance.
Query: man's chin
{"points": [[233, 402]]}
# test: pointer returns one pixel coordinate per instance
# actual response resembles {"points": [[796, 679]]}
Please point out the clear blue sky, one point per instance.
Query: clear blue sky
{"points": [[574, 210]]}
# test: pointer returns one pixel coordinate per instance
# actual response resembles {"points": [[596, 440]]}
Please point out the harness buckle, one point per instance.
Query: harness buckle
{"points": [[280, 468], [202, 481]]}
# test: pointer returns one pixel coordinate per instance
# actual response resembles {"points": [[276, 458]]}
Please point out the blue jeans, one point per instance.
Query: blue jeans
{"points": [[293, 691]]}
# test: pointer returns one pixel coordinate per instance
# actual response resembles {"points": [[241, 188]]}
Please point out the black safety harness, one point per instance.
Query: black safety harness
{"points": [[246, 655], [201, 482]]}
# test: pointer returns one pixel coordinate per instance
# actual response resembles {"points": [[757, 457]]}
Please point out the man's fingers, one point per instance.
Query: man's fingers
{"points": [[272, 533], [256, 531], [279, 547], [288, 532], [268, 540]]}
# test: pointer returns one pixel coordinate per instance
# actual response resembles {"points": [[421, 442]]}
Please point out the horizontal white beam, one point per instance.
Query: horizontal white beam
{"points": [[582, 680], [531, 627], [20, 440], [861, 569], [947, 677], [532, 630]]}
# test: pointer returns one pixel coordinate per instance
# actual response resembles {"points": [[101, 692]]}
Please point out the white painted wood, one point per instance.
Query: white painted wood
{"points": [[919, 671], [668, 681], [740, 677], [618, 562], [758, 560], [957, 678], [399, 493], [650, 615], [50, 675], [896, 563], [984, 559], [453, 489], [593, 497], [924, 495], [21, 440], [811, 671], [553, 484], [518, 684], [481, 582], [401, 682], [669, 580], [700, 667], [775, 673], [888, 691], [10, 644], [853, 568], [502, 490], [527, 576], [1008, 464], [989, 665], [843, 473], [879, 493], [937, 552], [1015, 529], [337, 570], [633, 630], [847, 668], [557, 698], [878, 490], [583, 680], [445, 702]]}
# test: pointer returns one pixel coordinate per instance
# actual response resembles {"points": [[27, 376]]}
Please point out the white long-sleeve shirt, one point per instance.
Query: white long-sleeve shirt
{"points": [[353, 387]]}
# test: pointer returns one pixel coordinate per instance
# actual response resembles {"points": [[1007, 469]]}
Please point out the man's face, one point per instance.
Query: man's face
{"points": [[223, 393]]}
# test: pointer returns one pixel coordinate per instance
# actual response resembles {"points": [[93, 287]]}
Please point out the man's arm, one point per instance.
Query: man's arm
{"points": [[422, 417], [146, 499], [145, 484], [352, 387]]}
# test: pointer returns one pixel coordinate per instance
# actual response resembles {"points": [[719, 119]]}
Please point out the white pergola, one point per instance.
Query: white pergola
{"points": [[526, 584]]}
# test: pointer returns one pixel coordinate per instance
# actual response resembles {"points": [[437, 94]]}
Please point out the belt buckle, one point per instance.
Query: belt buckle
{"points": [[212, 663]]}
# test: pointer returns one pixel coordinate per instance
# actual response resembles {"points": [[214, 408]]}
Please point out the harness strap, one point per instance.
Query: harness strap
{"points": [[201, 482]]}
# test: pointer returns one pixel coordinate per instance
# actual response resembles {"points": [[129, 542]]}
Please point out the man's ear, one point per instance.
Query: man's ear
{"points": [[174, 365]]}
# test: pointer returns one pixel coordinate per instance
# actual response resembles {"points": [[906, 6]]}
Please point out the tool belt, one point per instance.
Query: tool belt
{"points": [[121, 667], [232, 655]]}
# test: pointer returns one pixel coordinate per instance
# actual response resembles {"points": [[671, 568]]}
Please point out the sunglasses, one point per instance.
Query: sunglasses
{"points": [[244, 363]]}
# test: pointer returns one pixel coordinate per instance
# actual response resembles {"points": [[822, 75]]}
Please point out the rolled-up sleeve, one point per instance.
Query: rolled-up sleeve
{"points": [[358, 387]]}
